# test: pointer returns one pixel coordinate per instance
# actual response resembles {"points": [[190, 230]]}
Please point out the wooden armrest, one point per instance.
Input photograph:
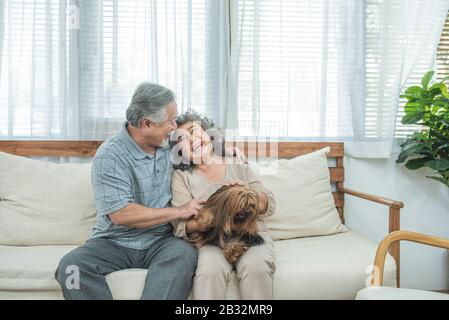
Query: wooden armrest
{"points": [[370, 197], [393, 223], [394, 237]]}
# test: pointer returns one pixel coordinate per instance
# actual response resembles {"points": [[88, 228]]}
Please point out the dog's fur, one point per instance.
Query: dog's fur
{"points": [[228, 219]]}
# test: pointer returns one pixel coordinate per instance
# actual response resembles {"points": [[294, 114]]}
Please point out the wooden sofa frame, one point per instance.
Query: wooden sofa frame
{"points": [[67, 148], [395, 237]]}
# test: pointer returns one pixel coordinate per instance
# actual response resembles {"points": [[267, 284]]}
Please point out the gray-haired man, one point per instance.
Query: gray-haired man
{"points": [[131, 175]]}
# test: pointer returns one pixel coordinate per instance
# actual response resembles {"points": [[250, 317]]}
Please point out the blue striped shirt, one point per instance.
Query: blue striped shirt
{"points": [[123, 173]]}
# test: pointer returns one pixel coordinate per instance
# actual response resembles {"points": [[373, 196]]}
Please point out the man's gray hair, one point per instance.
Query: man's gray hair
{"points": [[149, 101]]}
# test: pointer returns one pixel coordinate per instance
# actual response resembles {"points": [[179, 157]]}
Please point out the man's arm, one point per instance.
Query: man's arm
{"points": [[137, 216]]}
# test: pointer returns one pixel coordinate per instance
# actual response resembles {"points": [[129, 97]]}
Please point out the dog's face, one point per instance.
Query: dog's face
{"points": [[241, 216]]}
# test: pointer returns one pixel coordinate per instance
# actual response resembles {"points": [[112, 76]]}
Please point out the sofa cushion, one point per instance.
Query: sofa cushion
{"points": [[31, 295], [44, 203], [388, 293], [325, 267], [25, 268], [304, 202], [28, 272]]}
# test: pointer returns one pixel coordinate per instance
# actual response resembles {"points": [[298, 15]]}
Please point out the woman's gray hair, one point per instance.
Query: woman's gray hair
{"points": [[208, 125], [149, 101]]}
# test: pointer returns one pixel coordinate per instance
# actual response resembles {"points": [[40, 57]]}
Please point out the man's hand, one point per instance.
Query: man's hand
{"points": [[190, 209]]}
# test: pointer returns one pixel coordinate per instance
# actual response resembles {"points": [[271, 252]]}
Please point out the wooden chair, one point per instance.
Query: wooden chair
{"points": [[377, 291], [66, 148]]}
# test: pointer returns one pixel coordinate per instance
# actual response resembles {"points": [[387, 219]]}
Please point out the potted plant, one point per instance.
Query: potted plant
{"points": [[427, 105]]}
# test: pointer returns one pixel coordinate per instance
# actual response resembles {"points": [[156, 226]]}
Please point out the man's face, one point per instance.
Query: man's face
{"points": [[158, 133]]}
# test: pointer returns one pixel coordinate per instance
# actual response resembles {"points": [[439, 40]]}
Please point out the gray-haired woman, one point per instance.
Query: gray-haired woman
{"points": [[201, 170]]}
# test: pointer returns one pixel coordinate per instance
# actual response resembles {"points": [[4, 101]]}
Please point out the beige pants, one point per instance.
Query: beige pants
{"points": [[254, 269]]}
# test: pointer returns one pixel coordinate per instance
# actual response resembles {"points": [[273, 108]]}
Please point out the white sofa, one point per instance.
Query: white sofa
{"points": [[47, 209], [308, 268]]}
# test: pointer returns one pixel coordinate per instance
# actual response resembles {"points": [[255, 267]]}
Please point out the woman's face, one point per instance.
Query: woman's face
{"points": [[194, 142]]}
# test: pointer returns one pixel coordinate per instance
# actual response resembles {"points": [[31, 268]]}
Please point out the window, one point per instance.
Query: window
{"points": [[33, 61], [442, 70], [442, 59], [58, 81], [293, 60], [296, 62]]}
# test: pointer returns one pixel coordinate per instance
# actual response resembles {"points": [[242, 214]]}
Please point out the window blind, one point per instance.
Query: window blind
{"points": [[57, 81], [163, 41], [288, 75], [291, 66], [33, 62], [442, 59]]}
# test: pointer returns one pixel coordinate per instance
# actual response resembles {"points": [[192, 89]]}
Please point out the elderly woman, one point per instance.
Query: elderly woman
{"points": [[201, 170]]}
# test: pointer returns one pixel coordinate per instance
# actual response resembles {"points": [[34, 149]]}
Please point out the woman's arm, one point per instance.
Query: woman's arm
{"points": [[180, 196], [267, 203], [263, 202], [137, 216]]}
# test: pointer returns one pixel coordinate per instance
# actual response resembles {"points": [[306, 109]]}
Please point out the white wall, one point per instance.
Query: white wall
{"points": [[426, 210]]}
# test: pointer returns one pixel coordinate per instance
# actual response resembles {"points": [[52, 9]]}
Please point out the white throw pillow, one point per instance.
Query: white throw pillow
{"points": [[44, 203], [304, 202]]}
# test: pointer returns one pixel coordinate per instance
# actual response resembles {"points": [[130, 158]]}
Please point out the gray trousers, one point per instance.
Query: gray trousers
{"points": [[171, 264]]}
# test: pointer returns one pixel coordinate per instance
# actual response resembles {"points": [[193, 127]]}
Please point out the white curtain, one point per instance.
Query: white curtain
{"points": [[330, 70], [298, 65], [70, 67], [401, 41], [2, 33], [307, 70]]}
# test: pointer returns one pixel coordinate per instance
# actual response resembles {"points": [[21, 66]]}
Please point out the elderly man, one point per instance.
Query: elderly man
{"points": [[131, 175]]}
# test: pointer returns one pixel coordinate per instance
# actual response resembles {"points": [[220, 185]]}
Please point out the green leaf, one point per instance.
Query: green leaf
{"points": [[411, 150], [415, 92], [444, 91], [413, 89], [413, 108], [446, 145], [438, 164], [440, 101], [426, 95], [439, 88], [409, 141], [415, 164], [412, 118], [435, 88], [408, 97], [441, 179], [426, 79]]}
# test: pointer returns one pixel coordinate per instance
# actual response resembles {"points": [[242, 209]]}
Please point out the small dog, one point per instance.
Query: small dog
{"points": [[228, 219]]}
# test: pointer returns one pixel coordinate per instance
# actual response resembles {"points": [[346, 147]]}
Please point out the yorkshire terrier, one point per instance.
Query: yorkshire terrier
{"points": [[228, 219]]}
